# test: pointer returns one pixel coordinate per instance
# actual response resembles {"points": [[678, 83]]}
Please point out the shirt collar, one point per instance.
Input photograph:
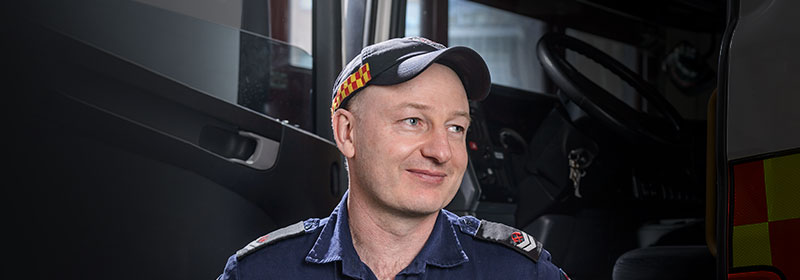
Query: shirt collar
{"points": [[335, 243], [442, 249]]}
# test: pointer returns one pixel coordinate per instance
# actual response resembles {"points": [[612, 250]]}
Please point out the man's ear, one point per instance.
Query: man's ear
{"points": [[343, 123]]}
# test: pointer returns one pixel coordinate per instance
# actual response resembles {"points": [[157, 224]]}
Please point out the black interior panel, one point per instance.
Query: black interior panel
{"points": [[110, 179]]}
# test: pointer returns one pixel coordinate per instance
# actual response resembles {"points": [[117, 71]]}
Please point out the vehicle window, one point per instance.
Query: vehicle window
{"points": [[413, 21], [507, 41], [207, 45]]}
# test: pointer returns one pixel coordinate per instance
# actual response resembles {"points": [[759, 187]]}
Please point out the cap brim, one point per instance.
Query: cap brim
{"points": [[468, 65]]}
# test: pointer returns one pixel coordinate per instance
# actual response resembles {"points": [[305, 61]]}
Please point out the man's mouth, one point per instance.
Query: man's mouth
{"points": [[428, 176]]}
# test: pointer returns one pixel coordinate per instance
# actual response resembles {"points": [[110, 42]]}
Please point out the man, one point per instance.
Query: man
{"points": [[399, 116]]}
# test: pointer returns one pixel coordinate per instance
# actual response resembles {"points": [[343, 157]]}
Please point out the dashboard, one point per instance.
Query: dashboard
{"points": [[519, 142], [498, 138]]}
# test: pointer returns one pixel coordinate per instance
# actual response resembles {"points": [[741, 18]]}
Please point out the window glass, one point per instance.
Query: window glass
{"points": [[413, 21], [202, 45], [507, 42], [300, 32]]}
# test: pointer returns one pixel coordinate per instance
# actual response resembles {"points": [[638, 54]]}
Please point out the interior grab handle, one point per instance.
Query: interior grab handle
{"points": [[264, 155]]}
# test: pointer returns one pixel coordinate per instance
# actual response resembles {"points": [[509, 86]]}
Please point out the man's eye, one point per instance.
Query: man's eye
{"points": [[412, 121], [457, 129]]}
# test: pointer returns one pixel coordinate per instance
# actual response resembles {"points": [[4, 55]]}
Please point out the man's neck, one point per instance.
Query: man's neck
{"points": [[386, 242]]}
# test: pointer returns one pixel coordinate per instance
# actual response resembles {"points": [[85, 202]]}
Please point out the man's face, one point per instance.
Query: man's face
{"points": [[409, 142]]}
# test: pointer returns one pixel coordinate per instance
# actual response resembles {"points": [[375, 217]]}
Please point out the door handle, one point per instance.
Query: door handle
{"points": [[264, 155], [241, 147]]}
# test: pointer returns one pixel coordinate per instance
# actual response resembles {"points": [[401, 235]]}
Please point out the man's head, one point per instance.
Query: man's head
{"points": [[404, 135]]}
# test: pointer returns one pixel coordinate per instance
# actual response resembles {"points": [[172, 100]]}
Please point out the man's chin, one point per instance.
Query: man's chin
{"points": [[418, 213], [420, 208]]}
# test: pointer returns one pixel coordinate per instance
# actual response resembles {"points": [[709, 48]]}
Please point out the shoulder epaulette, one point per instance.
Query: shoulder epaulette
{"points": [[295, 229], [510, 237]]}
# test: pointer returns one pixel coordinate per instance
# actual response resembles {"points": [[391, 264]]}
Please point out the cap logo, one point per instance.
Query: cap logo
{"points": [[353, 82]]}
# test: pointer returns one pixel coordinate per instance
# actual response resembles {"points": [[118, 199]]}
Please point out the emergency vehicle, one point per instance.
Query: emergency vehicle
{"points": [[634, 139]]}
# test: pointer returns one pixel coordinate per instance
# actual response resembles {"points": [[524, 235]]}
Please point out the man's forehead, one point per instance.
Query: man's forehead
{"points": [[463, 112]]}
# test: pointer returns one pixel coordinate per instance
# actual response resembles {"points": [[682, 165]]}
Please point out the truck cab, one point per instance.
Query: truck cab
{"points": [[652, 140]]}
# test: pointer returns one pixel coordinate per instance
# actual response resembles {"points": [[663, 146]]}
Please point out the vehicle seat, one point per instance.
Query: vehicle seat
{"points": [[683, 261], [665, 262], [466, 200]]}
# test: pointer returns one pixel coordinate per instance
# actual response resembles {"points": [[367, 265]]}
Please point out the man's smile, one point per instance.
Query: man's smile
{"points": [[428, 176]]}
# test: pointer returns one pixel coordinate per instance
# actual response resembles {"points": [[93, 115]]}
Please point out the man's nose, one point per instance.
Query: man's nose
{"points": [[437, 146]]}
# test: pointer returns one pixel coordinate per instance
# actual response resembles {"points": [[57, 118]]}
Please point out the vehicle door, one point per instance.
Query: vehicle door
{"points": [[156, 138]]}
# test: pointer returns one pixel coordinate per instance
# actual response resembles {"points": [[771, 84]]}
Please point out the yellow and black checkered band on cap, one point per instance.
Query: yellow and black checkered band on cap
{"points": [[351, 84]]}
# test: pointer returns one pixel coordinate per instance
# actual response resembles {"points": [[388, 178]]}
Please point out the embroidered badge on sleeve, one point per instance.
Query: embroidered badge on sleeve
{"points": [[510, 237]]}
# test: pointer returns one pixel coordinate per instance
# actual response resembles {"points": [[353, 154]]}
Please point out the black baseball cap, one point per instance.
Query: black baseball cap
{"points": [[398, 60]]}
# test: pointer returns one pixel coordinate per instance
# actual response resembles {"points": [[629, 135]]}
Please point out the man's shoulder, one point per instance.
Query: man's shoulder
{"points": [[302, 232], [498, 234], [505, 247], [284, 247]]}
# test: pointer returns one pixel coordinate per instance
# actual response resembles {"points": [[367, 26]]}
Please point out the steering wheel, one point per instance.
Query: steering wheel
{"points": [[601, 104]]}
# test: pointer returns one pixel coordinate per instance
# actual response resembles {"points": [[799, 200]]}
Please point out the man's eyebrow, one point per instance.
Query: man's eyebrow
{"points": [[424, 107], [464, 114], [417, 106]]}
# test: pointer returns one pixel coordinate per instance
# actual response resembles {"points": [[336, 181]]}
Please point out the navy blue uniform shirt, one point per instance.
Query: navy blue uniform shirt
{"points": [[323, 249]]}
